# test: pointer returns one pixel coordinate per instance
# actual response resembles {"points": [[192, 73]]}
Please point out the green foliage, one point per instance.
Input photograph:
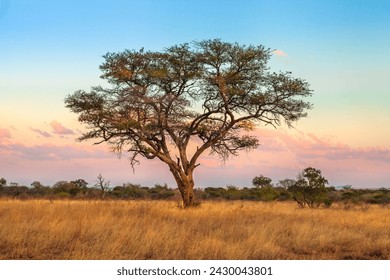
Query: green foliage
{"points": [[310, 188], [129, 191], [66, 187], [264, 189], [361, 198], [286, 183], [261, 181], [215, 192], [284, 194], [268, 193], [36, 185], [63, 194], [16, 191], [161, 192], [232, 193], [132, 191], [328, 202], [81, 186], [3, 182]]}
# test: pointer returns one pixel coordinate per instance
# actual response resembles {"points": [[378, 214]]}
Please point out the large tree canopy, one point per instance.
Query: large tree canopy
{"points": [[209, 91]]}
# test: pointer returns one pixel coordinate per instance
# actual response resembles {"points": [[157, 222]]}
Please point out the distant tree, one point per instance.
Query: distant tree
{"points": [[286, 183], [215, 192], [81, 184], [3, 182], [103, 185], [17, 190], [267, 192], [38, 188], [351, 198], [36, 185], [129, 190], [310, 188], [232, 192], [65, 189], [261, 181], [210, 91], [161, 192]]}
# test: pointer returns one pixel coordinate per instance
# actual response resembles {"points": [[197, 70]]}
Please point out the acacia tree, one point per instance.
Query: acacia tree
{"points": [[210, 92]]}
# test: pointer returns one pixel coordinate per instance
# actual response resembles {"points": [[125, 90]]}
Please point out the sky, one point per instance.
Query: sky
{"points": [[50, 49]]}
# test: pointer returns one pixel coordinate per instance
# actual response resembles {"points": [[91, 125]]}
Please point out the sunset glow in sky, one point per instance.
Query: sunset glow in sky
{"points": [[49, 49]]}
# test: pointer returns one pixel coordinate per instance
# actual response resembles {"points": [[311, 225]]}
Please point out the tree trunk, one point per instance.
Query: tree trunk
{"points": [[187, 194], [185, 183]]}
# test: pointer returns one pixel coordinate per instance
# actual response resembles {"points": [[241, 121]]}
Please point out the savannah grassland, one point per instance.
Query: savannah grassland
{"points": [[42, 229]]}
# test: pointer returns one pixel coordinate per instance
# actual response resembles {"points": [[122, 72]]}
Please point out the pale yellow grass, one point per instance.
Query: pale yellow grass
{"points": [[39, 229]]}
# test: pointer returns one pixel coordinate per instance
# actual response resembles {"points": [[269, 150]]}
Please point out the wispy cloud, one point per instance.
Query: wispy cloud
{"points": [[308, 145], [58, 128], [279, 53], [41, 132], [4, 133], [44, 152]]}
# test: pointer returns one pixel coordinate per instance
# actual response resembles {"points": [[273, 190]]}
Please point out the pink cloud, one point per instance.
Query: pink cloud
{"points": [[52, 152], [312, 146], [279, 53], [41, 132], [58, 128], [342, 163], [50, 163], [4, 133], [282, 154]]}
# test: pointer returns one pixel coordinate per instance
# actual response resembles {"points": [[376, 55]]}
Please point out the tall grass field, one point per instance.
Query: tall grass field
{"points": [[71, 229]]}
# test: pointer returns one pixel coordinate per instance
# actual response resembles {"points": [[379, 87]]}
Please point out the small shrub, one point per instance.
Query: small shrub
{"points": [[63, 194], [328, 203], [268, 193]]}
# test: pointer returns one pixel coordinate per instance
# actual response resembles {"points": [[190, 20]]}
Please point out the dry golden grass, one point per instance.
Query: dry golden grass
{"points": [[40, 229]]}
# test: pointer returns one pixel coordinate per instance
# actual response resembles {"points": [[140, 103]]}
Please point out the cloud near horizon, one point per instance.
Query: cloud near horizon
{"points": [[282, 154], [59, 129], [4, 133], [41, 132], [53, 152], [309, 146], [342, 163]]}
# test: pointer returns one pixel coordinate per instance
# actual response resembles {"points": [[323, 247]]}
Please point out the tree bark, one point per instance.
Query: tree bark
{"points": [[185, 183], [187, 194]]}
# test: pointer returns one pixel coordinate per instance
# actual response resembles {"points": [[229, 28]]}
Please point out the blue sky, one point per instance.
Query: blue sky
{"points": [[49, 49]]}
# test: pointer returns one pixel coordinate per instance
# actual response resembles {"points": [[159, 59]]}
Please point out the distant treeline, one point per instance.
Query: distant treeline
{"points": [[264, 190]]}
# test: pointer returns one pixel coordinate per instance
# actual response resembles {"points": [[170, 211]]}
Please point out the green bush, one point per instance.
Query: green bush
{"points": [[310, 188], [268, 193], [62, 194]]}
